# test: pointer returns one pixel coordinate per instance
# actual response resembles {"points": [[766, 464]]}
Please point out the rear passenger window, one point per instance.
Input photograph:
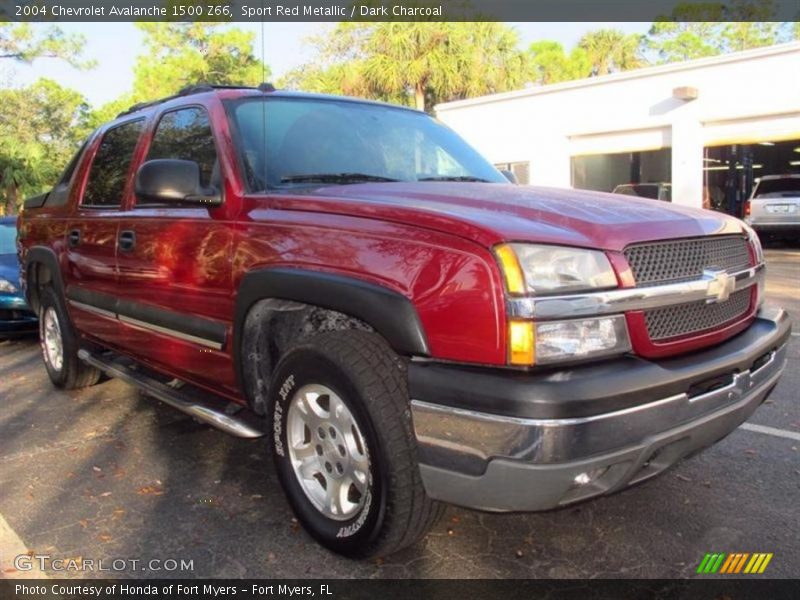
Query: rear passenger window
{"points": [[109, 171], [185, 134], [66, 176]]}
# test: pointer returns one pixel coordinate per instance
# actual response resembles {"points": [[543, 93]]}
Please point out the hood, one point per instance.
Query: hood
{"points": [[491, 213], [9, 268]]}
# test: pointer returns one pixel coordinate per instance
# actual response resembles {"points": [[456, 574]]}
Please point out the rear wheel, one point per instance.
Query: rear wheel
{"points": [[344, 445], [60, 346]]}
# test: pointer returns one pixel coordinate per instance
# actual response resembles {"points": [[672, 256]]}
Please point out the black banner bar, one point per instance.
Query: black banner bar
{"points": [[733, 588], [396, 10]]}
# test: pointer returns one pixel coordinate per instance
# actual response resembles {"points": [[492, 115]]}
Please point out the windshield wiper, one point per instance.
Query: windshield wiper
{"points": [[333, 178], [455, 178]]}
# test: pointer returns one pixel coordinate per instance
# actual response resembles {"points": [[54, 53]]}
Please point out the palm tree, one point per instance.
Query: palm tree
{"points": [[413, 56], [611, 50], [421, 63], [491, 59], [436, 62], [551, 64]]}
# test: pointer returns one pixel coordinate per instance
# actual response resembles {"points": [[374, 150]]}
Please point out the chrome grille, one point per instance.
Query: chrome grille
{"points": [[683, 260], [695, 317]]}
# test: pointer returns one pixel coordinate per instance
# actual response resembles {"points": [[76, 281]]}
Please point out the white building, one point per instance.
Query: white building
{"points": [[709, 126]]}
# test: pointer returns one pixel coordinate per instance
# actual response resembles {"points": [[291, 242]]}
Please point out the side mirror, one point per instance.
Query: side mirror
{"points": [[510, 176], [174, 181]]}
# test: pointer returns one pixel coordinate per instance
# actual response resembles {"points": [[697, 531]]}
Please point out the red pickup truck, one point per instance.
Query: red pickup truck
{"points": [[407, 328]]}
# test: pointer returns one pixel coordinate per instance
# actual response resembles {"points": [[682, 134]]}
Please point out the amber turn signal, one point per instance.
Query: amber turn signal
{"points": [[515, 280], [520, 343]]}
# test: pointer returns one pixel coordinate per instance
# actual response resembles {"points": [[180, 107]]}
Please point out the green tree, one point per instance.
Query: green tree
{"points": [[18, 172], [420, 63], [179, 54], [491, 59], [338, 64], [551, 64], [707, 29], [751, 25], [21, 43], [689, 31], [41, 126], [109, 111], [611, 50]]}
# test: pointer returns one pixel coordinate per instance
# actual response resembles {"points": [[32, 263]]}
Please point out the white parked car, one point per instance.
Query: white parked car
{"points": [[774, 206]]}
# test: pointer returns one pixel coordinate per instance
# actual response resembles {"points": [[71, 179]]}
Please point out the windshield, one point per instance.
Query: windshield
{"points": [[286, 143], [8, 238], [784, 187]]}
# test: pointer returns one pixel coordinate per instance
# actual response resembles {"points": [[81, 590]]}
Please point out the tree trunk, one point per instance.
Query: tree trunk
{"points": [[419, 96], [12, 194]]}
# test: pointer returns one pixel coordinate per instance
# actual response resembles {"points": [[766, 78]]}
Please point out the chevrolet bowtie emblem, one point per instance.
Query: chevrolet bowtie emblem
{"points": [[720, 285]]}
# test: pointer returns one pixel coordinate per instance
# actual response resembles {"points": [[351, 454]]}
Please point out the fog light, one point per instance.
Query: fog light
{"points": [[576, 339], [588, 477]]}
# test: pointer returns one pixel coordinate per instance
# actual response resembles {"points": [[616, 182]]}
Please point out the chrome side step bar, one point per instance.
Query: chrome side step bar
{"points": [[202, 406]]}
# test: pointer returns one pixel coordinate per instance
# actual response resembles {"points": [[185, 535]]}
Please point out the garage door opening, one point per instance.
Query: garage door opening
{"points": [[604, 172], [730, 171]]}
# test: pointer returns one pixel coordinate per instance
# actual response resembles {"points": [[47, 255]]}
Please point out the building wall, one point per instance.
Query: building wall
{"points": [[742, 98]]}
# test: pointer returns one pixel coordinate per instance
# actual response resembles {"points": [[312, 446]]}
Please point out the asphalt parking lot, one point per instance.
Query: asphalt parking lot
{"points": [[106, 473]]}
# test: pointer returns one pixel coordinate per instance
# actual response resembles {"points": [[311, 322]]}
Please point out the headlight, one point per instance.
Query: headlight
{"points": [[579, 339], [550, 342], [535, 269], [7, 287]]}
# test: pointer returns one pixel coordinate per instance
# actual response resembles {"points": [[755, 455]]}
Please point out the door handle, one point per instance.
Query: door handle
{"points": [[74, 238], [127, 241]]}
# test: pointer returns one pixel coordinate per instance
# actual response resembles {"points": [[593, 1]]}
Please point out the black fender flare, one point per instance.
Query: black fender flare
{"points": [[388, 312], [47, 257]]}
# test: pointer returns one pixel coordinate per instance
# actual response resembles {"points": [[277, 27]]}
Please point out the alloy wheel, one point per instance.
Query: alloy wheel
{"points": [[328, 452]]}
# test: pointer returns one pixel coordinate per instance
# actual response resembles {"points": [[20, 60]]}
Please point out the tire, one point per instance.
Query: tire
{"points": [[57, 337], [358, 371]]}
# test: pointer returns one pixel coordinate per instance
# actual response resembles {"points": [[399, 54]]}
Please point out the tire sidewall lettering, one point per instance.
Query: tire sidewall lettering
{"points": [[286, 389], [355, 527]]}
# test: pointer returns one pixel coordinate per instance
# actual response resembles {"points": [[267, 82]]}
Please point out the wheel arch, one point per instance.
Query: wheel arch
{"points": [[40, 268], [345, 302]]}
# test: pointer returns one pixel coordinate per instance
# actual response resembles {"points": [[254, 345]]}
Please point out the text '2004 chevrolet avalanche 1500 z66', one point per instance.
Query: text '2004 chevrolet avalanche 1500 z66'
{"points": [[406, 328]]}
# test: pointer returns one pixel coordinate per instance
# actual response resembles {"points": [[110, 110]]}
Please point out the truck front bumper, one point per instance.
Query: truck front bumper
{"points": [[501, 441]]}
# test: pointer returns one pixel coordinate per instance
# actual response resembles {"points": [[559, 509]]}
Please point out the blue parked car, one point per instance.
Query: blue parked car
{"points": [[16, 317]]}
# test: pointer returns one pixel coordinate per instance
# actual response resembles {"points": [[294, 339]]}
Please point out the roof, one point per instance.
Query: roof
{"points": [[788, 48], [191, 90], [264, 88]]}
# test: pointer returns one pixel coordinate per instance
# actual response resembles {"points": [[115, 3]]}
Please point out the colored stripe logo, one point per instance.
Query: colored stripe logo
{"points": [[734, 563]]}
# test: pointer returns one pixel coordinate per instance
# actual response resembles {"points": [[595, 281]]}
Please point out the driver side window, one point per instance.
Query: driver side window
{"points": [[185, 134]]}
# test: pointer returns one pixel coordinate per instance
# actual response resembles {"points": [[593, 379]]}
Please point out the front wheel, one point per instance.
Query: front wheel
{"points": [[344, 445]]}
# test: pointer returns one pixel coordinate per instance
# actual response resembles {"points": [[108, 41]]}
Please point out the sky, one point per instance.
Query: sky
{"points": [[115, 47]]}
